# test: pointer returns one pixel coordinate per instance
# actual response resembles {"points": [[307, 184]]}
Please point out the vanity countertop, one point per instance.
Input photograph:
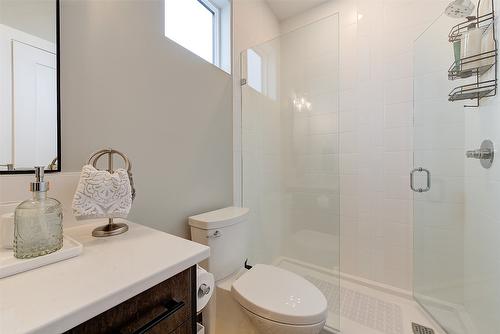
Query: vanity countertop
{"points": [[57, 297]]}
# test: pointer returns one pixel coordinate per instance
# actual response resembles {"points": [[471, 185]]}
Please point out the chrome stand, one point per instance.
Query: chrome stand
{"points": [[112, 228]]}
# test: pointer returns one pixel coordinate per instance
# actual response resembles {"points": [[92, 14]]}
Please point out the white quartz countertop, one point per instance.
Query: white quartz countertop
{"points": [[57, 297]]}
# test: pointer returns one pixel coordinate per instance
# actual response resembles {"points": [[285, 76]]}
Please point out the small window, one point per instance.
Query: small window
{"points": [[201, 26], [260, 69], [254, 70]]}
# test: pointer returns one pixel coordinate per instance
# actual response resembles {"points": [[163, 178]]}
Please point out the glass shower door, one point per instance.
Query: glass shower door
{"points": [[456, 233], [290, 154], [438, 181]]}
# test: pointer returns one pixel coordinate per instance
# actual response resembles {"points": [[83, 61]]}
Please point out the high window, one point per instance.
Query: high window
{"points": [[201, 26]]}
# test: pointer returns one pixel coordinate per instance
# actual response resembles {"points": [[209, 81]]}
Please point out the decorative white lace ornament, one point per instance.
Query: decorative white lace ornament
{"points": [[101, 194]]}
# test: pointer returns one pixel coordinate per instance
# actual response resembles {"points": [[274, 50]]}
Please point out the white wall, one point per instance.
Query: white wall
{"points": [[15, 189]]}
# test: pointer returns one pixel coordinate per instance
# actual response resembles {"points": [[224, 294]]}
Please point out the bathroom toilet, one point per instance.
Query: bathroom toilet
{"points": [[262, 300]]}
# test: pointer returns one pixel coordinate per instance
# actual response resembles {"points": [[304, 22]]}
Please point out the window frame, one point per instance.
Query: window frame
{"points": [[211, 7]]}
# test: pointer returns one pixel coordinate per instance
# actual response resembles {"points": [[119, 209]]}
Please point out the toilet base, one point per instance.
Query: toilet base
{"points": [[230, 318], [267, 326]]}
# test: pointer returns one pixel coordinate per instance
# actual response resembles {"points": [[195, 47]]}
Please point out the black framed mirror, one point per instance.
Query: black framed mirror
{"points": [[30, 102]]}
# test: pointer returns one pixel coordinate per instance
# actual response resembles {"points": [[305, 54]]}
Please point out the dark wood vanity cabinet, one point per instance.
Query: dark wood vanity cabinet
{"points": [[167, 308]]}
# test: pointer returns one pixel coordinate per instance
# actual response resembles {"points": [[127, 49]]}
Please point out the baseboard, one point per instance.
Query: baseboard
{"points": [[386, 288], [328, 330]]}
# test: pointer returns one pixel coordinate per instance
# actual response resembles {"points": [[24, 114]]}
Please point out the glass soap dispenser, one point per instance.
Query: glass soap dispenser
{"points": [[38, 222]]}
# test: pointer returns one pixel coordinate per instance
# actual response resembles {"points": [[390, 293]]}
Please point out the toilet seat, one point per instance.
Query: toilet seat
{"points": [[280, 296]]}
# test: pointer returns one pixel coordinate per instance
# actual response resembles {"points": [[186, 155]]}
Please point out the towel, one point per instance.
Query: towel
{"points": [[101, 194]]}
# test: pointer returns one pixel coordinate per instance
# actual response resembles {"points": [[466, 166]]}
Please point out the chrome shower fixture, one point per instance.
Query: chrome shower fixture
{"points": [[460, 8]]}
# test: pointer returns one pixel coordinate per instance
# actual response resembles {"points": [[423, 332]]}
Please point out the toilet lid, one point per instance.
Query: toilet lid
{"points": [[279, 295]]}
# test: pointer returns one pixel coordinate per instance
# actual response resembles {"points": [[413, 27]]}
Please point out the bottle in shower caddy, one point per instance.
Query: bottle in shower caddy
{"points": [[471, 46], [38, 222]]}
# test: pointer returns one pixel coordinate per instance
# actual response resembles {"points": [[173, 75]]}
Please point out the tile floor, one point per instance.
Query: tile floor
{"points": [[362, 309]]}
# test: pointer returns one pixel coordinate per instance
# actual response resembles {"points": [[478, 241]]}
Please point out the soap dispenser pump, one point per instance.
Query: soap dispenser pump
{"points": [[38, 222]]}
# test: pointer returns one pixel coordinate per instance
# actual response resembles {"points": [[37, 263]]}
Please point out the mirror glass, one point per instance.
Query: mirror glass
{"points": [[29, 108]]}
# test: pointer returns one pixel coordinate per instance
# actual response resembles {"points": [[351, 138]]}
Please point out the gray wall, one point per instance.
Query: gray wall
{"points": [[126, 86], [35, 17]]}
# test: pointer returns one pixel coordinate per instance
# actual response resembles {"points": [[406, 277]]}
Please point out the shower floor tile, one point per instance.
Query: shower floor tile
{"points": [[363, 310], [367, 310]]}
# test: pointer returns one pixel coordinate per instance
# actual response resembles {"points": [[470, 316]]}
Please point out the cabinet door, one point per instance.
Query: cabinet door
{"points": [[185, 328], [164, 308]]}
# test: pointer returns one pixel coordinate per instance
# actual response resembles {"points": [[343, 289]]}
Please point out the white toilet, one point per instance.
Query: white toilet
{"points": [[263, 300]]}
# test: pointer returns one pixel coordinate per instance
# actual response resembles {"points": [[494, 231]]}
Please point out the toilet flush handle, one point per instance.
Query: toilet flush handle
{"points": [[203, 290], [216, 234]]}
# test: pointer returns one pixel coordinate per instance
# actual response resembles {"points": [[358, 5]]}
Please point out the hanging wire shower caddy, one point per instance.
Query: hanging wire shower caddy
{"points": [[477, 65]]}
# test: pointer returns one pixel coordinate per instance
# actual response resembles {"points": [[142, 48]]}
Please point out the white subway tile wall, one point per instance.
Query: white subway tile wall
{"points": [[376, 113], [290, 148], [372, 131], [482, 215]]}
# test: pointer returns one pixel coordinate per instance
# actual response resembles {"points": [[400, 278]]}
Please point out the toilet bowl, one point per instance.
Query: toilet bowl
{"points": [[263, 300], [278, 301]]}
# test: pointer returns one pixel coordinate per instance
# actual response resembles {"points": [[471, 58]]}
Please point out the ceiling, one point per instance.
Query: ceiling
{"points": [[284, 9]]}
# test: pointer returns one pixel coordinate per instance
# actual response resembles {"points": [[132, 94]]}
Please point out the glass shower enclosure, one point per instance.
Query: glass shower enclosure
{"points": [[456, 233], [290, 154]]}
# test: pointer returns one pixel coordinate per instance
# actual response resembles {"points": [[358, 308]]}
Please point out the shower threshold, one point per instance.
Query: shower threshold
{"points": [[361, 306]]}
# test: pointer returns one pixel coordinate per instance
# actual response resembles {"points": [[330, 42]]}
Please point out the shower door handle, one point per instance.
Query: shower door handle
{"points": [[412, 179]]}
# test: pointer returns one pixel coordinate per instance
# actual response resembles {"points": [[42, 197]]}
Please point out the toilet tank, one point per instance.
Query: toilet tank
{"points": [[224, 231]]}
